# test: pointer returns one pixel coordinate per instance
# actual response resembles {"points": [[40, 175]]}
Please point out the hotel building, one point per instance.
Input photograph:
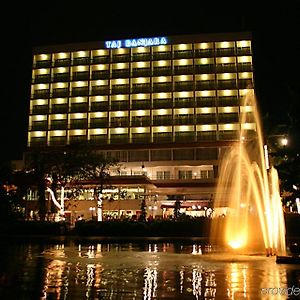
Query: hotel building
{"points": [[165, 107]]}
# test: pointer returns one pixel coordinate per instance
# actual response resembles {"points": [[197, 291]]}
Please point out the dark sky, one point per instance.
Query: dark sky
{"points": [[276, 47]]}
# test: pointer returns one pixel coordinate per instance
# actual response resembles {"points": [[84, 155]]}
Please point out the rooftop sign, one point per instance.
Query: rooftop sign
{"points": [[132, 43]]}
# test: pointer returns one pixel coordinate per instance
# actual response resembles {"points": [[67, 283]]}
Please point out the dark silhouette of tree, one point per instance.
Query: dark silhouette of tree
{"points": [[70, 166], [177, 206], [143, 215]]}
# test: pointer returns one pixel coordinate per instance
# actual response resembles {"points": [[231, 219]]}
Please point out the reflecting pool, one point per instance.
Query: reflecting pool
{"points": [[154, 269]]}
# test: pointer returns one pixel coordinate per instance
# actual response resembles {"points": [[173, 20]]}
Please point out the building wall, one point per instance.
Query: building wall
{"points": [[165, 107], [172, 93]]}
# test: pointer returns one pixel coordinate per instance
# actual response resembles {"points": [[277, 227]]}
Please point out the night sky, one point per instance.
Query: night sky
{"points": [[276, 48]]}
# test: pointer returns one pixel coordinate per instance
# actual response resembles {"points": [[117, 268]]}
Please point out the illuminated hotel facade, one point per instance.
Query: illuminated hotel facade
{"points": [[165, 107]]}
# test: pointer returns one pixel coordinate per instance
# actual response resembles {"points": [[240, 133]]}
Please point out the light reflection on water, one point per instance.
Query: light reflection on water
{"points": [[137, 271]]}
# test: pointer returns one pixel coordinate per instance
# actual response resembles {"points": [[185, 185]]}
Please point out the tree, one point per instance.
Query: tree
{"points": [[13, 187], [70, 167], [177, 206], [143, 215], [96, 168]]}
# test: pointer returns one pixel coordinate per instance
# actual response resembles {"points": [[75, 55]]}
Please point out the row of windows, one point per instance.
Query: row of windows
{"points": [[164, 154], [159, 120], [143, 88], [63, 59], [141, 72], [122, 105], [136, 138], [87, 194]]}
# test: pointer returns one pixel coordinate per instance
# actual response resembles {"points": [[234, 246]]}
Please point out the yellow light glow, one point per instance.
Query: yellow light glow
{"points": [[248, 126], [61, 70], [205, 93], [245, 75], [43, 71], [141, 64], [41, 86], [58, 117], [183, 111], [226, 126], [79, 54], [228, 109], [119, 113], [100, 82], [58, 133], [161, 48], [236, 244], [38, 133], [161, 63], [119, 130], [98, 98], [162, 95], [204, 61], [162, 79], [184, 78], [40, 102], [140, 96], [77, 132], [100, 52], [79, 100], [59, 101], [140, 50], [183, 128], [206, 110], [204, 77], [183, 62], [98, 131], [44, 56], [120, 51], [39, 118], [120, 81], [141, 80], [162, 129], [244, 59], [224, 60], [223, 45], [182, 47], [226, 76], [206, 127], [62, 55], [247, 108], [140, 113], [78, 116], [98, 114], [183, 94], [140, 130], [244, 92], [227, 93], [79, 84], [99, 67], [81, 69], [205, 46], [119, 97], [243, 44]]}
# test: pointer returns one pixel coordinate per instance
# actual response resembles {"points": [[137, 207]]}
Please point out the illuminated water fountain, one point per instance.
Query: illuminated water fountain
{"points": [[249, 188]]}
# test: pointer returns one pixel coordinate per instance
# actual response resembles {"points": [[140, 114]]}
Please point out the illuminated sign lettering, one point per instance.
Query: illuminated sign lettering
{"points": [[132, 43]]}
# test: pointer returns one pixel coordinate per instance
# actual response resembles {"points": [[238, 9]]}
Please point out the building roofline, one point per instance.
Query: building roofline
{"points": [[173, 39]]}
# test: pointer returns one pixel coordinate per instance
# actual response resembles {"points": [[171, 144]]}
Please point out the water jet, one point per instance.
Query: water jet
{"points": [[248, 187]]}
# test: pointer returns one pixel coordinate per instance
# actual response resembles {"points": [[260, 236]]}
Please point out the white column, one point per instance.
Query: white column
{"points": [[99, 208]]}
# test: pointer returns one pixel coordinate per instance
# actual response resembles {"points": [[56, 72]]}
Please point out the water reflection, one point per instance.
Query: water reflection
{"points": [[138, 271]]}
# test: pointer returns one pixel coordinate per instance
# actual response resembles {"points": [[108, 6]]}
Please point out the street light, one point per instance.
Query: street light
{"points": [[284, 141]]}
